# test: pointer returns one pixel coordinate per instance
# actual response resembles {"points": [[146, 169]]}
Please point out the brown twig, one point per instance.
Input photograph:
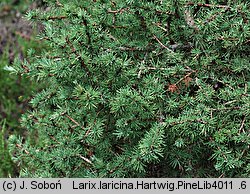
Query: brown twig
{"points": [[58, 3], [246, 85], [128, 49], [230, 108], [85, 159], [121, 27], [242, 124], [87, 133], [185, 77], [153, 68], [50, 17], [159, 26], [189, 121], [20, 147], [74, 121], [118, 11], [56, 17], [163, 46], [53, 138], [136, 49], [24, 36], [208, 5], [174, 87], [223, 155]]}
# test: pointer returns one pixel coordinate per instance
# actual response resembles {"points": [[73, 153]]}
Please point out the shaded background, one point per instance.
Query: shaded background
{"points": [[16, 36]]}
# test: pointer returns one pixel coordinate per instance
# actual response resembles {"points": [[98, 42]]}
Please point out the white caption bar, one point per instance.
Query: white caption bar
{"points": [[163, 185]]}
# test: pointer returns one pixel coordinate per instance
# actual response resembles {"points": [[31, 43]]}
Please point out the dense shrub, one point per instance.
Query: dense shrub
{"points": [[139, 89]]}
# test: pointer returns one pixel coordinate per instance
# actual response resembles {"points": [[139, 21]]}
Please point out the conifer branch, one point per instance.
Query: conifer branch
{"points": [[223, 155], [124, 48], [189, 121], [156, 10], [20, 147], [85, 23], [78, 55]]}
